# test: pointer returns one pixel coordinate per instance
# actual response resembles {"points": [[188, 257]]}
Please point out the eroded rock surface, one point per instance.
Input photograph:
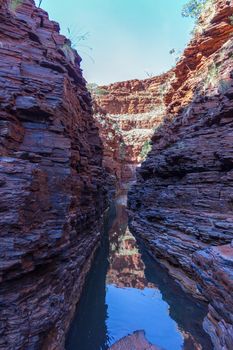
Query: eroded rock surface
{"points": [[182, 202], [127, 114], [214, 272], [52, 184]]}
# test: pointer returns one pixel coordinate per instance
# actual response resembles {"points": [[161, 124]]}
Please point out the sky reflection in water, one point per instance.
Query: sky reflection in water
{"points": [[133, 309], [128, 291]]}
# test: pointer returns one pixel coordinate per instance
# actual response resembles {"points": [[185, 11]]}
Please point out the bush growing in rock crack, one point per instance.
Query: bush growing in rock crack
{"points": [[231, 20], [146, 148], [122, 150], [196, 9], [14, 4], [94, 89]]}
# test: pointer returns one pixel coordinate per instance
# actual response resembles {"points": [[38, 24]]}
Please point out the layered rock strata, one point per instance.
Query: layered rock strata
{"points": [[126, 268], [127, 114], [52, 184], [182, 202]]}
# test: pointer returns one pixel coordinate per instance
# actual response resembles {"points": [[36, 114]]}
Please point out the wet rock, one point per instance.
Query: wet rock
{"points": [[181, 204], [214, 272], [52, 185]]}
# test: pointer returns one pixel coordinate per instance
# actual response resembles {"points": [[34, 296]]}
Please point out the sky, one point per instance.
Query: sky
{"points": [[127, 39]]}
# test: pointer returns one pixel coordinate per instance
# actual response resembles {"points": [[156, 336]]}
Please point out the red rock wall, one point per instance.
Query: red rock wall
{"points": [[132, 96], [182, 202], [127, 114], [52, 184]]}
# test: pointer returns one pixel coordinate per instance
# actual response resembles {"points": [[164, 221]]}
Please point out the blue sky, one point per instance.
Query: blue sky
{"points": [[127, 37]]}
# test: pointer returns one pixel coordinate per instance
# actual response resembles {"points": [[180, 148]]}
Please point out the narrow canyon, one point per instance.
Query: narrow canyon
{"points": [[109, 192]]}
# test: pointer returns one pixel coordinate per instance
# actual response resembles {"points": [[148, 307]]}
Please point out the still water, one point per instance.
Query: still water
{"points": [[128, 291]]}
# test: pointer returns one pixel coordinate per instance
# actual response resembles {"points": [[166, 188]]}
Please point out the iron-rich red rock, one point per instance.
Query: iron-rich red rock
{"points": [[127, 114], [52, 183], [182, 202]]}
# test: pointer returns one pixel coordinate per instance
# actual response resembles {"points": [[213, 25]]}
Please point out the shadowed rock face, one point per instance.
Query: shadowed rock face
{"points": [[182, 201], [51, 179], [129, 112]]}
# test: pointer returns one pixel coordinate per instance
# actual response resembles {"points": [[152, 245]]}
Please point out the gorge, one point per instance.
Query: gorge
{"points": [[70, 150]]}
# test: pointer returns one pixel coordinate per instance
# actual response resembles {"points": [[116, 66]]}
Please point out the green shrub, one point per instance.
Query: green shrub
{"points": [[76, 38], [14, 4], [194, 8], [212, 77], [101, 91], [94, 89], [231, 20], [146, 148], [122, 150], [91, 87]]}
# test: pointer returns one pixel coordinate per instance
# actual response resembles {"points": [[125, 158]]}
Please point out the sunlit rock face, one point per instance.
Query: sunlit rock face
{"points": [[52, 185], [182, 201], [128, 113], [136, 341]]}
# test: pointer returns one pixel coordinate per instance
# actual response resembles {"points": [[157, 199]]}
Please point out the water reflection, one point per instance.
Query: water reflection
{"points": [[128, 291], [126, 268]]}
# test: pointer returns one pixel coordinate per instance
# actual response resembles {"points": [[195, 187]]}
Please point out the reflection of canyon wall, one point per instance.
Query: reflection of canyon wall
{"points": [[127, 114], [136, 341], [182, 202], [126, 268], [51, 179]]}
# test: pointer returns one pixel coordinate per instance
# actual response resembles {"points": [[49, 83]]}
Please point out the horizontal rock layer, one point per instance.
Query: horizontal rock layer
{"points": [[52, 185], [181, 204], [127, 114]]}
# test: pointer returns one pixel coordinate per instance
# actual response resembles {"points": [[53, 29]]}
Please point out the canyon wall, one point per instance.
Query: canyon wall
{"points": [[127, 114], [182, 203], [52, 184]]}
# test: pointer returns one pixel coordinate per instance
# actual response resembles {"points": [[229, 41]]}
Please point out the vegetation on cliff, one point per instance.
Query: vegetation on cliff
{"points": [[194, 8]]}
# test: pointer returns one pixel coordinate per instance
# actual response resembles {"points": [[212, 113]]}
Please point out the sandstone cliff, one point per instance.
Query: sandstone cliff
{"points": [[182, 202], [51, 179]]}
